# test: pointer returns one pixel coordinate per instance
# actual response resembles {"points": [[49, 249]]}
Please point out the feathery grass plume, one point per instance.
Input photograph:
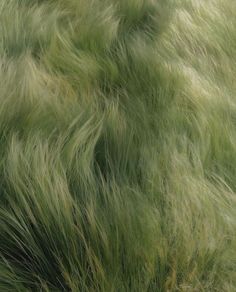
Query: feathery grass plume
{"points": [[118, 156]]}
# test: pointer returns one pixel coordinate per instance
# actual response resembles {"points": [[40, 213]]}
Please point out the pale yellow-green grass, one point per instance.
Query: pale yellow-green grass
{"points": [[118, 145]]}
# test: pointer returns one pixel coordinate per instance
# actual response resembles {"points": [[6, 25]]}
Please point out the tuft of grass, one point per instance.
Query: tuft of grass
{"points": [[117, 135]]}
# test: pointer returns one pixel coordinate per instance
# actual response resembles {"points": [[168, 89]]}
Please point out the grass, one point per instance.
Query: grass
{"points": [[118, 145]]}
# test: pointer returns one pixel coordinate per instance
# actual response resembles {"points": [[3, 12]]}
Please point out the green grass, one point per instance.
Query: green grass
{"points": [[118, 145]]}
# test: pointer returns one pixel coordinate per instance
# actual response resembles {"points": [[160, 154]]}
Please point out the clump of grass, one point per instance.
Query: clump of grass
{"points": [[117, 157]]}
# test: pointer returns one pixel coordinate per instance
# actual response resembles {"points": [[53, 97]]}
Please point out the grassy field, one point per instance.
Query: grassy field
{"points": [[118, 145]]}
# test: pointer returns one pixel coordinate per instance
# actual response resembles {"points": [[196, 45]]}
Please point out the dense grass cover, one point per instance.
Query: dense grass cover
{"points": [[118, 145]]}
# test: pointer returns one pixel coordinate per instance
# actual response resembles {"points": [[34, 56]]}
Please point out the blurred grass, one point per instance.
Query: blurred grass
{"points": [[118, 156]]}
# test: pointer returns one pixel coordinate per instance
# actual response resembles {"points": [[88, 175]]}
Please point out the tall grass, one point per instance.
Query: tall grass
{"points": [[118, 145]]}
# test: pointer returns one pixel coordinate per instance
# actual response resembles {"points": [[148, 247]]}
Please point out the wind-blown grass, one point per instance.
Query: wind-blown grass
{"points": [[118, 145]]}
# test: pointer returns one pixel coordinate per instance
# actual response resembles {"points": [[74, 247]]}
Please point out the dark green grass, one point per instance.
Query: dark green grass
{"points": [[117, 145]]}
